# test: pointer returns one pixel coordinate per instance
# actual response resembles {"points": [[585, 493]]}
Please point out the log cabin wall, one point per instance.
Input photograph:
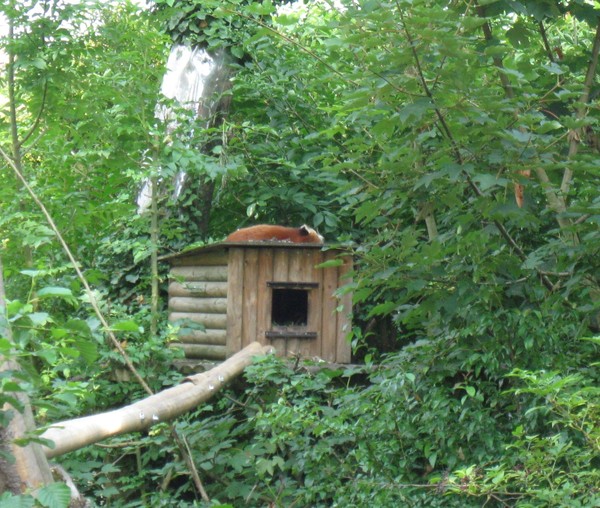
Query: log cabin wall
{"points": [[198, 292], [270, 292]]}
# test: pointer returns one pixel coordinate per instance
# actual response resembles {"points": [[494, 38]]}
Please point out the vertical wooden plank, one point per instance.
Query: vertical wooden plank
{"points": [[301, 271], [280, 265], [315, 302], [295, 264], [295, 272], [329, 304], [250, 281], [264, 297], [235, 295], [310, 348], [280, 274], [344, 317]]}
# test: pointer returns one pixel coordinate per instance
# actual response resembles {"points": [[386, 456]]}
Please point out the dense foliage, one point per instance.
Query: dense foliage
{"points": [[452, 146]]}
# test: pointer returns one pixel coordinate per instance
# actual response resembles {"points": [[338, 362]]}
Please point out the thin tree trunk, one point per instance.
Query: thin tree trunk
{"points": [[15, 141], [154, 238]]}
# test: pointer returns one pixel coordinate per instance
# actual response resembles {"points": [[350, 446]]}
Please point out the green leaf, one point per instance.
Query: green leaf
{"points": [[287, 20], [15, 307], [78, 325], [5, 346], [31, 273], [126, 326], [432, 458], [49, 355], [383, 308], [485, 181], [414, 111], [332, 263], [385, 128], [55, 495], [87, 349], [11, 386], [55, 291], [237, 51], [40, 318], [69, 398], [8, 500], [518, 35], [554, 68]]}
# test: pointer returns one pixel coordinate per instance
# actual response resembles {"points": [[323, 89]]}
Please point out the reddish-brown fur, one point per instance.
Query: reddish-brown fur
{"points": [[266, 232]]}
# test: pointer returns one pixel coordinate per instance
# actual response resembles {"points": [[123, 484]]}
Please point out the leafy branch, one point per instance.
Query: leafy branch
{"points": [[179, 440], [14, 163], [293, 42], [555, 200], [575, 137], [90, 294], [456, 151]]}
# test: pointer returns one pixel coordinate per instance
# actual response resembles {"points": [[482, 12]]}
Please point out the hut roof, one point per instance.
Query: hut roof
{"points": [[256, 244]]}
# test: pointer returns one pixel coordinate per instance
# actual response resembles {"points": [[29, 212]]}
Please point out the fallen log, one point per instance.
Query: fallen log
{"points": [[166, 405]]}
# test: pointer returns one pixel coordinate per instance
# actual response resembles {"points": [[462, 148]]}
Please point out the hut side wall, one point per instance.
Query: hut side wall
{"points": [[198, 292], [250, 297]]}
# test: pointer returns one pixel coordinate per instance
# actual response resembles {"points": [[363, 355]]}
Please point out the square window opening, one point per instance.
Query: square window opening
{"points": [[289, 307]]}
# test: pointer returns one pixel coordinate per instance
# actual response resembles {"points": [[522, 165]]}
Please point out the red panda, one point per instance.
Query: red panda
{"points": [[266, 232], [519, 189]]}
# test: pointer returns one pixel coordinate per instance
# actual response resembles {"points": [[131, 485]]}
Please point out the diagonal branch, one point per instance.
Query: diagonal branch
{"points": [[94, 303], [545, 41], [310, 52], [80, 275]]}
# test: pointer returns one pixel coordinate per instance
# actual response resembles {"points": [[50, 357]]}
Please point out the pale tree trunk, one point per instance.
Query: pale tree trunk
{"points": [[30, 470], [164, 406]]}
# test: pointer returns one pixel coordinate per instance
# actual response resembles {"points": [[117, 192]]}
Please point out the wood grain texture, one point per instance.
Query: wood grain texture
{"points": [[234, 300]]}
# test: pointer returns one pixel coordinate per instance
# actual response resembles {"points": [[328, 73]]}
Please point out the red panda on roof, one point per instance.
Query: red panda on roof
{"points": [[267, 232]]}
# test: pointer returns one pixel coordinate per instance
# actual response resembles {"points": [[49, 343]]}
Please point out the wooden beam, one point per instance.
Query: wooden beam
{"points": [[202, 351], [208, 336], [198, 305], [198, 288], [218, 321], [200, 273]]}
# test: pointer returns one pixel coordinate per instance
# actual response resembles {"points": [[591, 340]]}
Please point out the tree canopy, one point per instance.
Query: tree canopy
{"points": [[451, 146]]}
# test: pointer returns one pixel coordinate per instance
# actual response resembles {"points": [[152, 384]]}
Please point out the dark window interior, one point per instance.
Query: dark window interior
{"points": [[290, 307]]}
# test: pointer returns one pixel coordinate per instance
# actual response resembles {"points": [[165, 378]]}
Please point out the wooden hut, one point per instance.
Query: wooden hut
{"points": [[271, 292]]}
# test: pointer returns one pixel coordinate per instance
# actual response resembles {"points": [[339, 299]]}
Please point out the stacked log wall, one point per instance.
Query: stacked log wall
{"points": [[198, 294]]}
